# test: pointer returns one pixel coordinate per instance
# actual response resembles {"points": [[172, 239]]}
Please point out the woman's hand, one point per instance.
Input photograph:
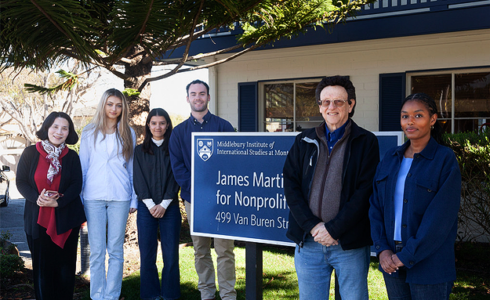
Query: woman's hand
{"points": [[132, 210], [397, 261], [157, 211], [47, 201], [386, 261]]}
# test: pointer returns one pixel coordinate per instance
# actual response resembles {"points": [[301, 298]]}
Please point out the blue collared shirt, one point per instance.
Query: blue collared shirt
{"points": [[180, 147], [335, 136]]}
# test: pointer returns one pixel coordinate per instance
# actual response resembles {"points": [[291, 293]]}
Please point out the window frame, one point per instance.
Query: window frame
{"points": [[453, 72], [261, 97]]}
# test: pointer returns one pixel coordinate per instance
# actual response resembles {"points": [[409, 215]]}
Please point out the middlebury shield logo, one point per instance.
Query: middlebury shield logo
{"points": [[205, 148]]}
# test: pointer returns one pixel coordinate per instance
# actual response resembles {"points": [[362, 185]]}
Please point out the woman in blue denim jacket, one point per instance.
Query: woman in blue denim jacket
{"points": [[414, 207]]}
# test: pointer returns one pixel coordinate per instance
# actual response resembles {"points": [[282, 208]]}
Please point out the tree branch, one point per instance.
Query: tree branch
{"points": [[178, 70], [17, 116], [199, 56], [186, 52], [6, 122], [143, 28], [51, 19]]}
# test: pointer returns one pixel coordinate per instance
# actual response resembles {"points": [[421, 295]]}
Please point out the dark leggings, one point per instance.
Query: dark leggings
{"points": [[53, 267]]}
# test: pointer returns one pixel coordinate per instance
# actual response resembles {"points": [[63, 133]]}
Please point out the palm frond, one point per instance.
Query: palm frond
{"points": [[70, 81]]}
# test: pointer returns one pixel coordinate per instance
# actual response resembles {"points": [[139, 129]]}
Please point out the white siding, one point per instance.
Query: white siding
{"points": [[363, 61]]}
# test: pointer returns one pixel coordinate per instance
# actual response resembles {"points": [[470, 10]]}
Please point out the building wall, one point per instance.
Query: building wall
{"points": [[363, 61]]}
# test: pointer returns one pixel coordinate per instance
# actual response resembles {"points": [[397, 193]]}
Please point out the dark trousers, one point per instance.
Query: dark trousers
{"points": [[169, 227], [53, 267], [399, 289]]}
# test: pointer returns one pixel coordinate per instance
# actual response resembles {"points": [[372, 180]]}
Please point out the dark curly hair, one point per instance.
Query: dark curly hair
{"points": [[342, 81]]}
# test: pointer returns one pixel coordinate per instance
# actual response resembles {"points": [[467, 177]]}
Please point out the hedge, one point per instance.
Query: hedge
{"points": [[472, 151]]}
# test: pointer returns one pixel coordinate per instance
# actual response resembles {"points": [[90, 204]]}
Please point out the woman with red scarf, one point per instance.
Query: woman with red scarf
{"points": [[49, 176]]}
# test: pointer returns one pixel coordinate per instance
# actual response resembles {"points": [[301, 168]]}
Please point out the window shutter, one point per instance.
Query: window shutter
{"points": [[391, 95], [247, 107]]}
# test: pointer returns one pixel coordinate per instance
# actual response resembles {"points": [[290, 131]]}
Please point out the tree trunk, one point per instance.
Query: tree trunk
{"points": [[139, 106]]}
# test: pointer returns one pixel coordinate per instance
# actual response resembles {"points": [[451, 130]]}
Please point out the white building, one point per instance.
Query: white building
{"points": [[392, 49]]}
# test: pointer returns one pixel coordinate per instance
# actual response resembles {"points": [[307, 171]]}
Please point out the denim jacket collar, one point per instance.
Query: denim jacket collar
{"points": [[428, 152]]}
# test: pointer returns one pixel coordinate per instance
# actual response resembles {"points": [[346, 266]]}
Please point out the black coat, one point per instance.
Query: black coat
{"points": [[152, 175], [351, 225], [69, 213]]}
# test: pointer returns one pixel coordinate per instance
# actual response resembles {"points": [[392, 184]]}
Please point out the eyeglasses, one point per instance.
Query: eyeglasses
{"points": [[336, 103]]}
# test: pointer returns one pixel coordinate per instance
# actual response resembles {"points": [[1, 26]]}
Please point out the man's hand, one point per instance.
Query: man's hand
{"points": [[157, 211], [386, 261], [321, 235]]}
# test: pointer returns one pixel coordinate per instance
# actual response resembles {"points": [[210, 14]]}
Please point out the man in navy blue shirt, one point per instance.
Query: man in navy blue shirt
{"points": [[201, 120]]}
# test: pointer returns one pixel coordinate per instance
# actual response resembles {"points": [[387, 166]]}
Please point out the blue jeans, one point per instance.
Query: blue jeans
{"points": [[314, 264], [106, 224], [148, 227], [398, 289]]}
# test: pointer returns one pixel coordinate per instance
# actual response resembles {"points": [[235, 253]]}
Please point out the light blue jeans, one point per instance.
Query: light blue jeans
{"points": [[106, 224], [314, 264]]}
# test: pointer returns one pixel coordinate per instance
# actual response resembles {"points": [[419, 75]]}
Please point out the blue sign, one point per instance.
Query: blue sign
{"points": [[237, 184], [387, 140]]}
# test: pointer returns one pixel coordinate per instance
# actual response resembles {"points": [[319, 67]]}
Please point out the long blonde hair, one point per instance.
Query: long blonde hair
{"points": [[123, 130]]}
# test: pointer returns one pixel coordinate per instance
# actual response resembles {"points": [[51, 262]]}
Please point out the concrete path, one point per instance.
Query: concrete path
{"points": [[12, 221]]}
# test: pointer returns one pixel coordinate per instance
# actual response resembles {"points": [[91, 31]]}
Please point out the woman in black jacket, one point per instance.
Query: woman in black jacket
{"points": [[158, 209], [49, 176]]}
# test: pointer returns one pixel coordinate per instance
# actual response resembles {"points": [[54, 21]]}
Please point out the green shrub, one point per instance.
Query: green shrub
{"points": [[473, 137], [9, 263], [473, 154]]}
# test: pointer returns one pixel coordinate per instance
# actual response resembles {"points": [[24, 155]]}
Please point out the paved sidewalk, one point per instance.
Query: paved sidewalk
{"points": [[12, 220]]}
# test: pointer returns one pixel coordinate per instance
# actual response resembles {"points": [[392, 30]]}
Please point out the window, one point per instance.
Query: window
{"points": [[289, 106], [462, 97]]}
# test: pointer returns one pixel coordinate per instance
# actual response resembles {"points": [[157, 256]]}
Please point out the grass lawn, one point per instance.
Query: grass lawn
{"points": [[279, 277], [280, 281]]}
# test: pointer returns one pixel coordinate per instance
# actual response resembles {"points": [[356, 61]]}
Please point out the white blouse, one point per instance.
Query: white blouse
{"points": [[106, 174]]}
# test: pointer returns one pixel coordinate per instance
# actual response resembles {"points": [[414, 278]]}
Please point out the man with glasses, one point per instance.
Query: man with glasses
{"points": [[328, 178]]}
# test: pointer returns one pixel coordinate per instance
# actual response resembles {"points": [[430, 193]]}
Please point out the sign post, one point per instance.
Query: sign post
{"points": [[253, 271]]}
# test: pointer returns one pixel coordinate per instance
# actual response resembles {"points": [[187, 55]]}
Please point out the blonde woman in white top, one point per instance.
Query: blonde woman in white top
{"points": [[106, 155]]}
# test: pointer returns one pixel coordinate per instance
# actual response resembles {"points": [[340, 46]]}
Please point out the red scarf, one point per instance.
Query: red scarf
{"points": [[47, 215]]}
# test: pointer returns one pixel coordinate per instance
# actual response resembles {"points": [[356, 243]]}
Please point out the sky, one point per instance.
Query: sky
{"points": [[168, 93]]}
